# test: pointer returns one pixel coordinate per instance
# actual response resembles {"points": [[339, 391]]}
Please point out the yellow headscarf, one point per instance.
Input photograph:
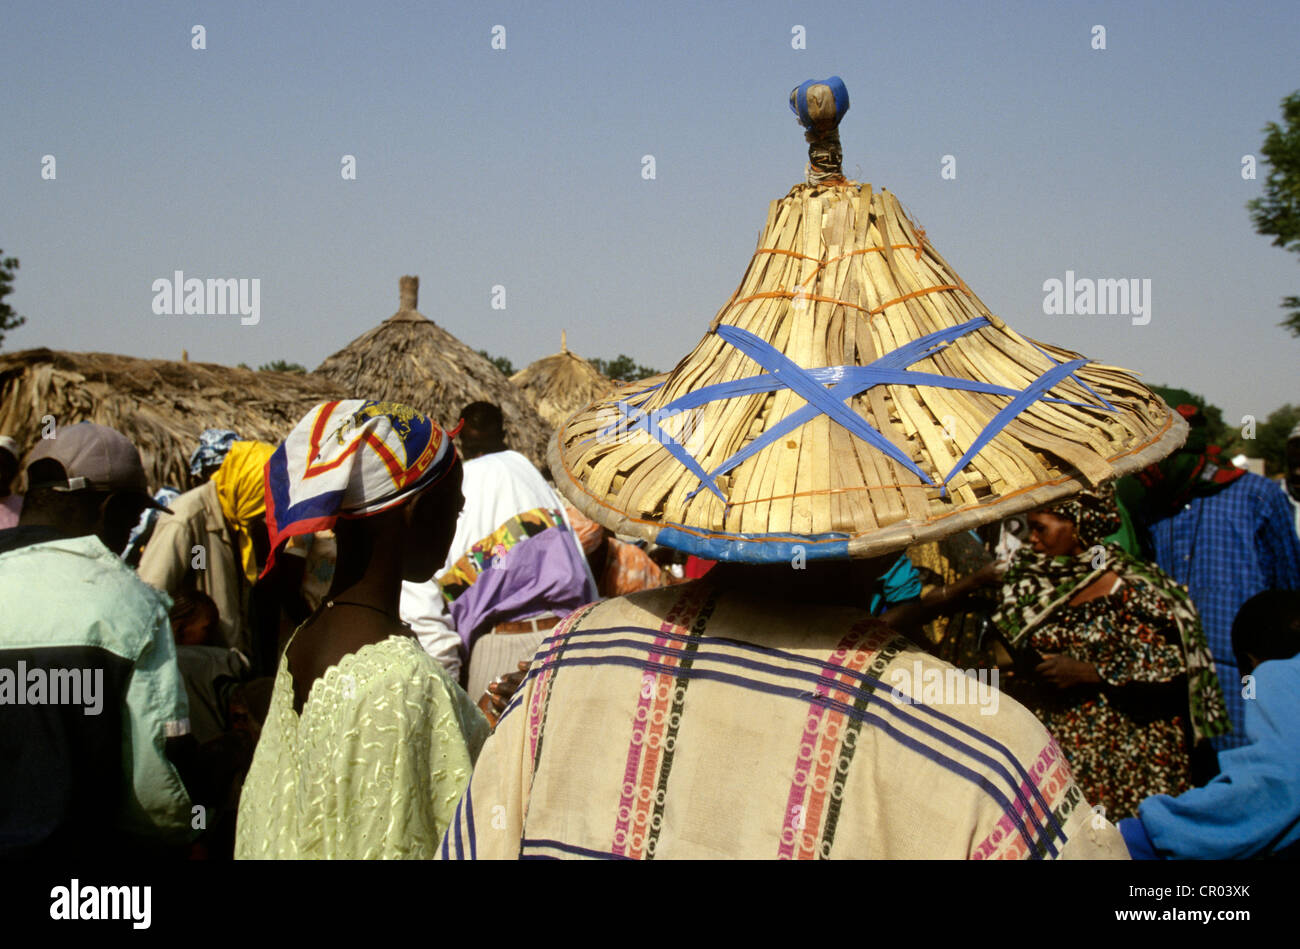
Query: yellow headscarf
{"points": [[241, 488]]}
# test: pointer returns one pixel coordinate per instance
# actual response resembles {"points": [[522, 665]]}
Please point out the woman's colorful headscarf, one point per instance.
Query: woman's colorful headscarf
{"points": [[351, 459], [1094, 513], [214, 444], [239, 489]]}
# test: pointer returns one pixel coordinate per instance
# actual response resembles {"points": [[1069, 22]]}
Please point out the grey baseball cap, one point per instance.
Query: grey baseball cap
{"points": [[94, 457]]}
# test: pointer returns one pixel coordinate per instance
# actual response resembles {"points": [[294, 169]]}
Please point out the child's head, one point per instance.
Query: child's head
{"points": [[1267, 627], [194, 619]]}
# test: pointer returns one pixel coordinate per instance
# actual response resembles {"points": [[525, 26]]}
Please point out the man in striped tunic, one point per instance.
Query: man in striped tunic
{"points": [[758, 713]]}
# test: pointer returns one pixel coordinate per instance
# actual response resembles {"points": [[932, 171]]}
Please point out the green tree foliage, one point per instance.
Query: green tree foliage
{"points": [[1270, 438], [1216, 430], [280, 365], [9, 320], [501, 362], [623, 368], [1269, 441], [1277, 213]]}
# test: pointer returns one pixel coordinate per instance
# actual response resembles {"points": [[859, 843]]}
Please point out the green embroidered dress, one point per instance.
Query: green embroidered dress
{"points": [[372, 768]]}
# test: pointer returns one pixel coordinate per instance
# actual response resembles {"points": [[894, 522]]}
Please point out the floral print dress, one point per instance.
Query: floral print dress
{"points": [[1127, 738]]}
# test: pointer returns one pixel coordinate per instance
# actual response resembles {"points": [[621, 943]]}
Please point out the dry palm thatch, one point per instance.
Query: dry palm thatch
{"points": [[161, 406], [410, 359], [863, 398], [559, 385]]}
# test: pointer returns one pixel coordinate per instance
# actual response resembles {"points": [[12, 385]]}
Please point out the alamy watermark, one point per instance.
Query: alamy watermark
{"points": [[76, 901], [215, 296], [38, 686], [656, 425], [1103, 297], [935, 685]]}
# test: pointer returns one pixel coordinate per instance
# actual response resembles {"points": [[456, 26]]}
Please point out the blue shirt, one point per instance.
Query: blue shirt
{"points": [[1225, 548], [899, 584], [1252, 808]]}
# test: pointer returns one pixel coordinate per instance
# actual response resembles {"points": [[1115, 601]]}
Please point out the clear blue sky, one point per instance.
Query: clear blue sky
{"points": [[522, 168]]}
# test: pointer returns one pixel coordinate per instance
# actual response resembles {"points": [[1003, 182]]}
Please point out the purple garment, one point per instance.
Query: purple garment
{"points": [[538, 574]]}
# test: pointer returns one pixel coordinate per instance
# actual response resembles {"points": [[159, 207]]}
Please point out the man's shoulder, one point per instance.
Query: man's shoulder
{"points": [[508, 462], [892, 669], [1253, 486], [75, 579], [505, 481], [192, 503], [1282, 675]]}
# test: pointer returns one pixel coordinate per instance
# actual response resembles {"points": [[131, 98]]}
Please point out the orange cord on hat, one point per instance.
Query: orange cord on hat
{"points": [[769, 294]]}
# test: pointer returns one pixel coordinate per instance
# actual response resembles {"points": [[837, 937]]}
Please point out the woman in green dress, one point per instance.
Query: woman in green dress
{"points": [[368, 744]]}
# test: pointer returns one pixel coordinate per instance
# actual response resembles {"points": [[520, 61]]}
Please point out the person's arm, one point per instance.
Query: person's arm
{"points": [[155, 801], [166, 559], [1252, 807], [942, 599], [1278, 543], [423, 608]]}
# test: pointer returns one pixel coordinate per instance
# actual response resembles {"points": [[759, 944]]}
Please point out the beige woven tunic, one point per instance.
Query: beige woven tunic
{"points": [[691, 723]]}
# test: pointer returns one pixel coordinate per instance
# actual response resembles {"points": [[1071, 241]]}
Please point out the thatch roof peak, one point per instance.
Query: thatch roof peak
{"points": [[560, 384], [409, 358], [408, 295]]}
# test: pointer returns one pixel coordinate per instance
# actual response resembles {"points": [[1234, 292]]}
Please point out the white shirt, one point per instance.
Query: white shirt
{"points": [[496, 487]]}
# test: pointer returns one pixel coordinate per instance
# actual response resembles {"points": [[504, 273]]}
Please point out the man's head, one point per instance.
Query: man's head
{"points": [[429, 522], [8, 464], [1266, 627], [483, 431], [195, 618], [88, 479], [1293, 463]]}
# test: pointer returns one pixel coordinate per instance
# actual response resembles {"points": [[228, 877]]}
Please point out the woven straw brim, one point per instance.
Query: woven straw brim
{"points": [[843, 279]]}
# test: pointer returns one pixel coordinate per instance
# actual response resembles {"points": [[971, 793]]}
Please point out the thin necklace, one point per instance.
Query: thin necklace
{"points": [[365, 606]]}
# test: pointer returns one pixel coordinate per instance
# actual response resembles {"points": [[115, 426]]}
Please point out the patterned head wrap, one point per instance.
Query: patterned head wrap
{"points": [[1094, 514], [351, 459], [214, 443], [238, 483]]}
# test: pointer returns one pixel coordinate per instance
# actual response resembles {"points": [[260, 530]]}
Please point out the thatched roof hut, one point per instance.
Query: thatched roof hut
{"points": [[411, 359], [559, 385], [161, 406]]}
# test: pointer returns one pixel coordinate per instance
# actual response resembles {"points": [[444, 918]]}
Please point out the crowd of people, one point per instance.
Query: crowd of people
{"points": [[381, 638]]}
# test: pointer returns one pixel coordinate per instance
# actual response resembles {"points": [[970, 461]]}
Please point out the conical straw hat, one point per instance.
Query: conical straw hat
{"points": [[854, 396]]}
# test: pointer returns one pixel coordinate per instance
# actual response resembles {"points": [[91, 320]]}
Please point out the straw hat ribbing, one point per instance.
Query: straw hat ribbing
{"points": [[852, 397]]}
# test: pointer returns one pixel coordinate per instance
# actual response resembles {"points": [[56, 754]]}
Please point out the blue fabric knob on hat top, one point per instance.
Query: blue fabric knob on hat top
{"points": [[820, 103]]}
